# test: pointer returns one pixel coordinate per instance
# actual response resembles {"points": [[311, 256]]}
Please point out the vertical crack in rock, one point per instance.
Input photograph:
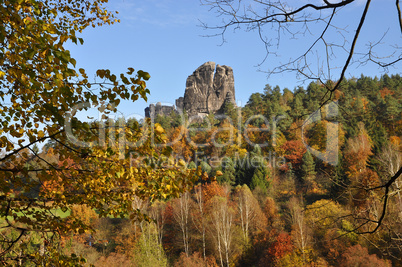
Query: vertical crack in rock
{"points": [[208, 88]]}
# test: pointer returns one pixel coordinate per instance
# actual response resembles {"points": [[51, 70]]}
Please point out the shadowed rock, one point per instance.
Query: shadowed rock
{"points": [[207, 90]]}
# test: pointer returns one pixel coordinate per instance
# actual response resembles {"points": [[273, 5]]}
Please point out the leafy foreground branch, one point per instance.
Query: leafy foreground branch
{"points": [[40, 92]]}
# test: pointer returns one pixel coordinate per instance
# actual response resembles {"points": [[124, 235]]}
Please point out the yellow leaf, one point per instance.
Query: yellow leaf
{"points": [[41, 134], [159, 129]]}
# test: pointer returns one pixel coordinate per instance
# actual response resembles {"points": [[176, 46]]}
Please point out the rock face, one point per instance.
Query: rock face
{"points": [[208, 89], [154, 110]]}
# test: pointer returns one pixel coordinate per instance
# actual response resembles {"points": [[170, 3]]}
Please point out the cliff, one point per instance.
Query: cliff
{"points": [[207, 90]]}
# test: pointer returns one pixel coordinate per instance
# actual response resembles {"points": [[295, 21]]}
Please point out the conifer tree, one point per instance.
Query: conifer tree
{"points": [[308, 169], [229, 171], [260, 172]]}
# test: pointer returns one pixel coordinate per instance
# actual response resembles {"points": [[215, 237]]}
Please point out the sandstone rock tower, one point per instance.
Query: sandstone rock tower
{"points": [[207, 89]]}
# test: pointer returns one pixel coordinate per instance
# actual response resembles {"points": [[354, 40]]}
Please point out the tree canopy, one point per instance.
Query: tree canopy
{"points": [[323, 35]]}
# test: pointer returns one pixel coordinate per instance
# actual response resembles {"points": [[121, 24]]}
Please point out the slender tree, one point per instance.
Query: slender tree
{"points": [[308, 169], [181, 211]]}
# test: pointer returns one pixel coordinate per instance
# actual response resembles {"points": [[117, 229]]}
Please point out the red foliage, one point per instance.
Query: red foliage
{"points": [[294, 151], [169, 233], [334, 246], [359, 256], [281, 247]]}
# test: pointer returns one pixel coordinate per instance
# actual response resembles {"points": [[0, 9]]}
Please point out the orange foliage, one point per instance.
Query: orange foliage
{"points": [[54, 184], [295, 130], [281, 247], [180, 144], [385, 91], [114, 259], [126, 239], [257, 135], [334, 246], [326, 136], [195, 260], [395, 140], [357, 152], [271, 212], [294, 151], [359, 256], [85, 214], [211, 190], [364, 100], [338, 94], [365, 179]]}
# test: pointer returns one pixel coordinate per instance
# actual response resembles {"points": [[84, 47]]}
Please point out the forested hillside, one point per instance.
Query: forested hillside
{"points": [[270, 192], [297, 177]]}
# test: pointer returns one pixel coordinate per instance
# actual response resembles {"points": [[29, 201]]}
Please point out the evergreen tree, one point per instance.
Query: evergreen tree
{"points": [[230, 110], [286, 99], [205, 167], [259, 179], [243, 170], [256, 151], [315, 92], [176, 119], [164, 121], [192, 165], [378, 134], [229, 172], [259, 170], [298, 111], [255, 106], [308, 169], [392, 112]]}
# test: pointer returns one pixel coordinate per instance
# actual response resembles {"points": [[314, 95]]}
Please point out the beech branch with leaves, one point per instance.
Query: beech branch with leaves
{"points": [[39, 90]]}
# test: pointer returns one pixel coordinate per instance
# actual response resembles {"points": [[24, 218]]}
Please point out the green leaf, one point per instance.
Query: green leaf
{"points": [[73, 61], [30, 53]]}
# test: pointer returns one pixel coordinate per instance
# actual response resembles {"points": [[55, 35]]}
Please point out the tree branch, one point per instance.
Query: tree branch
{"points": [[385, 203], [31, 143], [351, 52], [398, 8]]}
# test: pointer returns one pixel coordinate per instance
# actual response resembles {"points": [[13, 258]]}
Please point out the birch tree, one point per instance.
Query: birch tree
{"points": [[222, 228], [181, 212]]}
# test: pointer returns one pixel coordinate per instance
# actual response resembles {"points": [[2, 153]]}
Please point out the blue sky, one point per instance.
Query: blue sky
{"points": [[163, 37]]}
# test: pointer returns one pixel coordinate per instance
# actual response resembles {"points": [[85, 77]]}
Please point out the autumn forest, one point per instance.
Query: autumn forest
{"points": [[306, 176], [263, 202]]}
